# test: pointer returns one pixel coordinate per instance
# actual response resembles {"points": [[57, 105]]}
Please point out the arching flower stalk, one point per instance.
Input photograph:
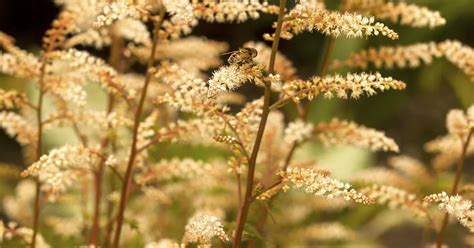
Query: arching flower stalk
{"points": [[401, 12], [306, 17], [353, 85], [412, 56]]}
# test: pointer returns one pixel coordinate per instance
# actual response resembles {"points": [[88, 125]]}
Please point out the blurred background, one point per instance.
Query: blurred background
{"points": [[412, 117]]}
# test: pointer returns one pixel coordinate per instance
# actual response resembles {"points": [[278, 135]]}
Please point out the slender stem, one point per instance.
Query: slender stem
{"points": [[133, 149], [110, 217], [277, 183], [39, 148], [285, 100], [159, 138], [239, 139], [115, 52], [239, 187], [327, 56], [244, 208], [454, 190], [79, 134], [303, 115]]}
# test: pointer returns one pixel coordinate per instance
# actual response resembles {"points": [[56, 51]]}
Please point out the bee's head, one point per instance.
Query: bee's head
{"points": [[251, 51]]}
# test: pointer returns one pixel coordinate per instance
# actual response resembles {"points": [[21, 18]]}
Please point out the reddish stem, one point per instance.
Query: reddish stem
{"points": [[454, 190], [39, 148], [133, 149], [115, 50], [244, 208]]}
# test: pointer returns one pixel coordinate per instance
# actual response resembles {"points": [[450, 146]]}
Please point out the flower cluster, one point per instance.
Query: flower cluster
{"points": [[396, 198], [231, 77], [16, 126], [202, 228], [164, 243], [230, 11], [314, 182], [331, 23], [459, 54], [117, 10], [298, 131], [193, 54], [382, 176], [247, 120], [411, 167], [17, 62], [189, 93], [181, 10], [327, 231], [456, 206], [12, 230], [460, 123], [11, 99], [95, 69], [404, 13], [59, 169], [448, 148], [412, 56], [389, 57], [15, 205], [353, 85], [173, 169], [346, 132]]}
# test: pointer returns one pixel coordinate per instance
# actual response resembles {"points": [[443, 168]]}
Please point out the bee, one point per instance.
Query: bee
{"points": [[242, 56]]}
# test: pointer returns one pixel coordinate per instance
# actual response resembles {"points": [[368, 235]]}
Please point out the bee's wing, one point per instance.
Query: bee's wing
{"points": [[231, 52]]}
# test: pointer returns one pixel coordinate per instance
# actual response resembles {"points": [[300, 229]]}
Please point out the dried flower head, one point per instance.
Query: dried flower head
{"points": [[202, 228], [458, 123], [88, 67], [173, 169], [382, 176], [411, 167], [389, 57], [448, 151], [17, 206], [180, 10], [320, 184], [189, 93], [455, 206], [16, 126], [404, 13], [396, 198], [12, 99], [298, 131], [193, 54], [164, 243], [412, 56], [15, 61], [303, 18], [59, 169], [448, 148], [228, 78], [460, 55], [353, 85], [346, 132], [12, 230], [328, 231], [117, 10], [230, 11]]}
